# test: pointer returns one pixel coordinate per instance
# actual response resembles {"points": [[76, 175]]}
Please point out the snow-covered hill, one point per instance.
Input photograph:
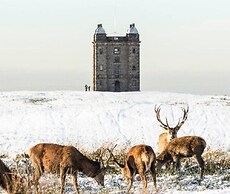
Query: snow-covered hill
{"points": [[89, 120]]}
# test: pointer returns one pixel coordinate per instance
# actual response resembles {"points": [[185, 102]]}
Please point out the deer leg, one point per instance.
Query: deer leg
{"points": [[62, 176], [143, 177], [74, 178], [201, 164], [130, 183], [37, 175], [176, 164], [153, 173], [144, 181], [6, 182]]}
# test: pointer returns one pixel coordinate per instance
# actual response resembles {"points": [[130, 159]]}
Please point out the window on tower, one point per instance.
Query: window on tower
{"points": [[116, 51], [100, 51], [117, 71], [117, 59]]}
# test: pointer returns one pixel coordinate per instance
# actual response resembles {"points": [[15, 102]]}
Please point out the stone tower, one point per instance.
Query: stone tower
{"points": [[116, 61]]}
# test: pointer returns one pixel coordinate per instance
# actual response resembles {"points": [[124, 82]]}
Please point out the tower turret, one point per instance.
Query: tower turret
{"points": [[99, 34]]}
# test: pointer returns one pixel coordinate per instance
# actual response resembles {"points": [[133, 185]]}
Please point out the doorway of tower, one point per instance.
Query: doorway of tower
{"points": [[117, 86]]}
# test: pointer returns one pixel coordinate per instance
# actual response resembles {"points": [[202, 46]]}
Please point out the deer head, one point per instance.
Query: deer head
{"points": [[171, 131]]}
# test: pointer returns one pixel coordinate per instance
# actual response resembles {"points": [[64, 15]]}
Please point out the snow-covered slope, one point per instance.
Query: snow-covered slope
{"points": [[91, 119]]}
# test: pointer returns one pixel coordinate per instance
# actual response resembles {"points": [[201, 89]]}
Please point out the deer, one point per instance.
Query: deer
{"points": [[5, 177], [9, 181], [63, 160], [170, 132], [140, 159], [183, 147]]}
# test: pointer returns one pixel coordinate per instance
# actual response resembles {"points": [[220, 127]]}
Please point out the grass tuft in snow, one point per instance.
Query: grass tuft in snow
{"points": [[216, 162]]}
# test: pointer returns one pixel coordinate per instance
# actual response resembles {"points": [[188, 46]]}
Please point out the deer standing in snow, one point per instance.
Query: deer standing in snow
{"points": [[170, 132], [140, 159], [183, 147], [9, 180], [5, 177], [63, 160]]}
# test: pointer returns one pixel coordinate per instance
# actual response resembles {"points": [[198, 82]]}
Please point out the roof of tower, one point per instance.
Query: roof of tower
{"points": [[100, 29], [132, 29]]}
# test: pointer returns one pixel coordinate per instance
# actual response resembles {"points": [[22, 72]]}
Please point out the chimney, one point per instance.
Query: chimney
{"points": [[132, 25]]}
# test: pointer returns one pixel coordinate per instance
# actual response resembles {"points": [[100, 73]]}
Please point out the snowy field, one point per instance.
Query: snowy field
{"points": [[89, 120]]}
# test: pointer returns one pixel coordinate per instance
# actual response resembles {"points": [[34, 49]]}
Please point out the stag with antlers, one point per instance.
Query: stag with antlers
{"points": [[183, 147], [170, 132]]}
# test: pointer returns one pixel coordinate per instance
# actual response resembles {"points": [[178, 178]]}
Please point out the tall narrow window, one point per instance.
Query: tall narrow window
{"points": [[100, 51], [117, 71]]}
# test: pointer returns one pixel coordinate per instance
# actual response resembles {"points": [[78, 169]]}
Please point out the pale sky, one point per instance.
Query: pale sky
{"points": [[47, 44]]}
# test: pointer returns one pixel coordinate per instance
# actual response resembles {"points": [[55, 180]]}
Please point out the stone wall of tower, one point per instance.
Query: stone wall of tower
{"points": [[100, 67], [116, 65]]}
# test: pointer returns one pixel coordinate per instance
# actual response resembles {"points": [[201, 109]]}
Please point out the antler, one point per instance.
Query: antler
{"points": [[185, 116], [157, 111], [114, 159], [109, 157]]}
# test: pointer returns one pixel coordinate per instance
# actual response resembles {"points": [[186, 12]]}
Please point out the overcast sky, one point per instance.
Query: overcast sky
{"points": [[47, 44]]}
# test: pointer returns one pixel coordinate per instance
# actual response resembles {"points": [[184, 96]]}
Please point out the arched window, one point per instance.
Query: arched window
{"points": [[117, 86]]}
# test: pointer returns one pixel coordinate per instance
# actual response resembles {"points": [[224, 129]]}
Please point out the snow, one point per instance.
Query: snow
{"points": [[89, 120]]}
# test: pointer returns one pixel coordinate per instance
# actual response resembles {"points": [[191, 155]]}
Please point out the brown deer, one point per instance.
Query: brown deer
{"points": [[170, 132], [183, 147], [63, 160], [10, 181], [5, 178], [139, 160]]}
